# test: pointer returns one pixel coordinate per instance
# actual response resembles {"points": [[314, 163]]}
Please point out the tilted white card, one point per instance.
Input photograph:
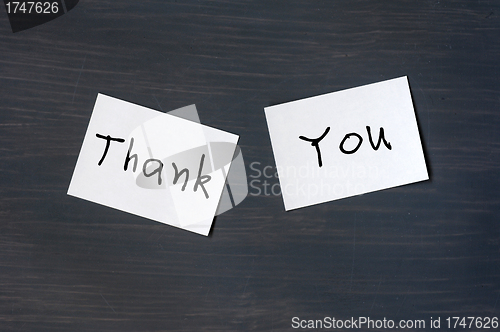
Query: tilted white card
{"points": [[346, 143], [152, 164]]}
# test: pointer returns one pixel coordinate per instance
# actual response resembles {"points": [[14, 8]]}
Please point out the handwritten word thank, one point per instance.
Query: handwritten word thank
{"points": [[201, 180]]}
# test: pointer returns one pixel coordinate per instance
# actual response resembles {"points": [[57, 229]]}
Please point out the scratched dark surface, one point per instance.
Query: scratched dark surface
{"points": [[430, 249]]}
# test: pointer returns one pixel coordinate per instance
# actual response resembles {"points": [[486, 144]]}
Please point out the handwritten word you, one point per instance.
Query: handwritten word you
{"points": [[315, 142], [201, 180]]}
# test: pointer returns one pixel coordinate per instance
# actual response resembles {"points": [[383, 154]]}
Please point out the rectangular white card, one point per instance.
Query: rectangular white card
{"points": [[152, 164], [346, 143]]}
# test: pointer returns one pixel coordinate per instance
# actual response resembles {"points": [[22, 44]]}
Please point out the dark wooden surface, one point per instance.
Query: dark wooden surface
{"points": [[422, 250]]}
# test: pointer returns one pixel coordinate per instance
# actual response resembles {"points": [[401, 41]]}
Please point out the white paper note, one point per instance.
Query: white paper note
{"points": [[346, 143], [156, 165]]}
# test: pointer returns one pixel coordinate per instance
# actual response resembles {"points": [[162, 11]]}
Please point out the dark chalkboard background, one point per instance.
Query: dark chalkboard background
{"points": [[430, 249]]}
